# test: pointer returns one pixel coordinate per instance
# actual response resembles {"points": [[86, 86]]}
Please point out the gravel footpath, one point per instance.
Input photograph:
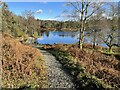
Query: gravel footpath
{"points": [[57, 77]]}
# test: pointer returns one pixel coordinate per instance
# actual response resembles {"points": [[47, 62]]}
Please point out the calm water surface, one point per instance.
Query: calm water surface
{"points": [[58, 37], [61, 37]]}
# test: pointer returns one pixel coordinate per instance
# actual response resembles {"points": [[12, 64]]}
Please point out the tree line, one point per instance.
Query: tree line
{"points": [[27, 24], [89, 18]]}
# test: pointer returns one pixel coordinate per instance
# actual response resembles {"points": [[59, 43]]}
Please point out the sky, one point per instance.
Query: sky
{"points": [[44, 10]]}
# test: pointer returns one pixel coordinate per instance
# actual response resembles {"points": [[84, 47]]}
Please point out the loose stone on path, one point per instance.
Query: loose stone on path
{"points": [[57, 77]]}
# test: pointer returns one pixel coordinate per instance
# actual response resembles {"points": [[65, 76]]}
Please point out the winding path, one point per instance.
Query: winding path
{"points": [[57, 77]]}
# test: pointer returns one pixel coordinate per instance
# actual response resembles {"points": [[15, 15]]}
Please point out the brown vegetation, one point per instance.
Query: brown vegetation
{"points": [[104, 67], [22, 65]]}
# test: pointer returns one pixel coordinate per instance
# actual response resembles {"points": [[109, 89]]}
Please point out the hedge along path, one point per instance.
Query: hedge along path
{"points": [[56, 76]]}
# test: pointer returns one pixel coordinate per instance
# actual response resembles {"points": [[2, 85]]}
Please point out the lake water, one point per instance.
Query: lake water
{"points": [[61, 37], [58, 37]]}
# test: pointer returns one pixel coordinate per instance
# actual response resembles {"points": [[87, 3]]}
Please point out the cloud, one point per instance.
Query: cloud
{"points": [[63, 15], [51, 19], [44, 2], [39, 11]]}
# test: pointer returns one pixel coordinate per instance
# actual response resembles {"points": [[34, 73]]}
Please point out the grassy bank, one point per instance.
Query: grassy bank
{"points": [[92, 70]]}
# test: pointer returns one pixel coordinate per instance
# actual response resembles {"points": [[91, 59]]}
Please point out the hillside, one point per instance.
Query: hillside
{"points": [[22, 65]]}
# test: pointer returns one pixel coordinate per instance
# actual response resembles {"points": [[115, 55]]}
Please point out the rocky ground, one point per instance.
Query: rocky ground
{"points": [[57, 77]]}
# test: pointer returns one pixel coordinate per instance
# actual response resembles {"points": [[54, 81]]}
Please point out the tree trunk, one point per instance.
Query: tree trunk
{"points": [[110, 49], [81, 37], [94, 41], [26, 30], [81, 40], [93, 45]]}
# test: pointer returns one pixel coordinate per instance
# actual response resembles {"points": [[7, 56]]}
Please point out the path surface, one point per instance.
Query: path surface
{"points": [[57, 77]]}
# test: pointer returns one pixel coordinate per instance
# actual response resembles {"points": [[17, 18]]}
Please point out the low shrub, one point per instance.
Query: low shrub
{"points": [[83, 80], [22, 65], [104, 67]]}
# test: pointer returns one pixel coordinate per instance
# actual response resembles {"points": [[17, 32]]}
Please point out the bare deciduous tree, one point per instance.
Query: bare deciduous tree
{"points": [[111, 35], [82, 11], [28, 16], [95, 26]]}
